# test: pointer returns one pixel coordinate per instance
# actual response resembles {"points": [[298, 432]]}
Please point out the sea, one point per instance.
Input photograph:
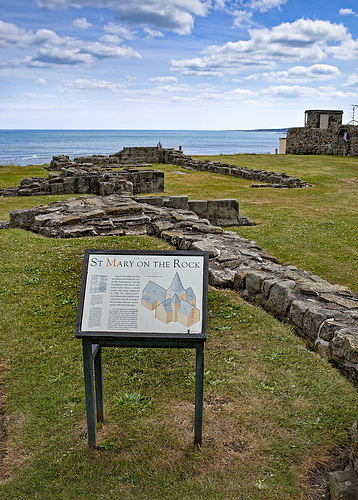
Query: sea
{"points": [[37, 147]]}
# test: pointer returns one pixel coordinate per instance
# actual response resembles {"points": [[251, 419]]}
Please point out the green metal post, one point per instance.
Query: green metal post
{"points": [[98, 376], [89, 390], [199, 394]]}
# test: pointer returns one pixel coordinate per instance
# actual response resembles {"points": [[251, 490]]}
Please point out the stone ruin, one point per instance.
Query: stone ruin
{"points": [[118, 215], [128, 172], [323, 134], [145, 156], [84, 178], [325, 315]]}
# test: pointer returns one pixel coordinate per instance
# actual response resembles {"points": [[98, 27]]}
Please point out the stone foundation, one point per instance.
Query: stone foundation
{"points": [[90, 179], [145, 155], [325, 315]]}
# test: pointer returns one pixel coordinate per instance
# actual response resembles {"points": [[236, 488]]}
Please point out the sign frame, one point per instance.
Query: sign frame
{"points": [[172, 262], [93, 341]]}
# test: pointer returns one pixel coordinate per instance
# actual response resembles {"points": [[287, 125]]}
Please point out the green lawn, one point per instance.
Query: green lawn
{"points": [[274, 413]]}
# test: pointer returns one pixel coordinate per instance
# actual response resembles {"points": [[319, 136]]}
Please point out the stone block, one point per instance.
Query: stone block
{"points": [[297, 312], [69, 185], [344, 346], [223, 212], [57, 188], [106, 188], [25, 192], [23, 218], [177, 202], [69, 220], [83, 185], [200, 207], [314, 318], [155, 201], [206, 246], [254, 281], [280, 298], [77, 231], [343, 485]]}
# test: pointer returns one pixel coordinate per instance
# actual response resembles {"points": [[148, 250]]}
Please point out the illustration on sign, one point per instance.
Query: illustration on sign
{"points": [[173, 304]]}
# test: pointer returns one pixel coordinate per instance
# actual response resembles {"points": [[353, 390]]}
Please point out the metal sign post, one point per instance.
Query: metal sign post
{"points": [[146, 300]]}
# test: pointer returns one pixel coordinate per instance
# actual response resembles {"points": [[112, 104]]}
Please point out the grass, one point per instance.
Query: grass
{"points": [[315, 229], [274, 413]]}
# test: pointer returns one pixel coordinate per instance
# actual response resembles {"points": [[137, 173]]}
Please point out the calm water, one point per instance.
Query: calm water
{"points": [[24, 147]]}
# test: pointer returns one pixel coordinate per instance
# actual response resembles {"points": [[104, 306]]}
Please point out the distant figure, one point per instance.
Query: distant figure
{"points": [[180, 148], [159, 145]]}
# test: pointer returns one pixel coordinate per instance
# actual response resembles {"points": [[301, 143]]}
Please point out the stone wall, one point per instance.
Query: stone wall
{"points": [[304, 140], [218, 212], [145, 155], [89, 216], [325, 315], [341, 141], [89, 179]]}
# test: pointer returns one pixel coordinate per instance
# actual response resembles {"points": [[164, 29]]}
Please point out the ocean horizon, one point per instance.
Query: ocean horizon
{"points": [[23, 147]]}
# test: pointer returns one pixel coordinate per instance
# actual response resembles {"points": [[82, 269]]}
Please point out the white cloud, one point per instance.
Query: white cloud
{"points": [[41, 82], [122, 31], [174, 15], [352, 80], [242, 18], [60, 56], [92, 84], [347, 12], [299, 74], [164, 79], [265, 5], [58, 50], [153, 33], [240, 93], [13, 36], [347, 50], [303, 39], [81, 23], [294, 92], [111, 39]]}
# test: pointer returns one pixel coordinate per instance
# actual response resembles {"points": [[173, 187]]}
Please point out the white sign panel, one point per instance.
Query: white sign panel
{"points": [[143, 292]]}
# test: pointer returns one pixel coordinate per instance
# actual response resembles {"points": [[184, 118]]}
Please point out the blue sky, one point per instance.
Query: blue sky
{"points": [[175, 64]]}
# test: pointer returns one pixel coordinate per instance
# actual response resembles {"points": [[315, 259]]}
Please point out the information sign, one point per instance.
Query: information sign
{"points": [[140, 293], [146, 300]]}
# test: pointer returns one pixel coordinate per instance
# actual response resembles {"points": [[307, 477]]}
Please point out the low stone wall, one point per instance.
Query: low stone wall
{"points": [[325, 315], [115, 216], [145, 155], [218, 212], [90, 179], [272, 179]]}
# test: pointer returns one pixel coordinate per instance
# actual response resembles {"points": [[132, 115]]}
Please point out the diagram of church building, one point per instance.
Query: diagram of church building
{"points": [[173, 304]]}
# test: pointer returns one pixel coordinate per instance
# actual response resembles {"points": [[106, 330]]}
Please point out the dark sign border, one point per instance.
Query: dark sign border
{"points": [[142, 335]]}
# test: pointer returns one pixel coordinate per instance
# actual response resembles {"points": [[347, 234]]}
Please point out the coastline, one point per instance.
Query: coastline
{"points": [[36, 147]]}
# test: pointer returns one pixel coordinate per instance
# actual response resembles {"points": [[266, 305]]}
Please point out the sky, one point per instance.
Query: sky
{"points": [[175, 64]]}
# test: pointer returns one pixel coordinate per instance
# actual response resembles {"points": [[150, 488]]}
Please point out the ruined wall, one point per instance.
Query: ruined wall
{"points": [[325, 315], [313, 141], [89, 179], [147, 155], [341, 141]]}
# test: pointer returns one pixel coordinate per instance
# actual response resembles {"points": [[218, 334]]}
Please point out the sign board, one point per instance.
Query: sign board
{"points": [[145, 294]]}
